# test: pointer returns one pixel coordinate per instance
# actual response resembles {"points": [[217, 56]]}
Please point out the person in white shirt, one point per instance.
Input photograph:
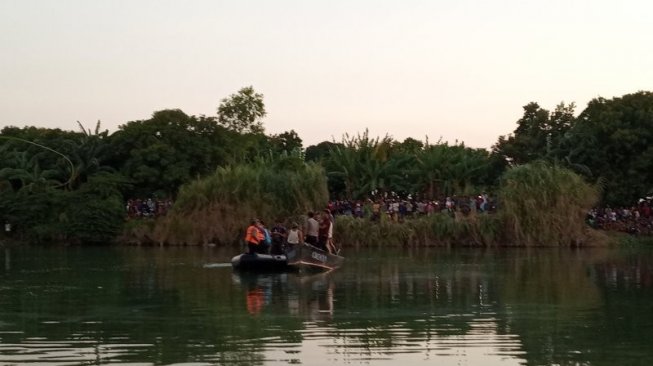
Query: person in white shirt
{"points": [[295, 236], [312, 227]]}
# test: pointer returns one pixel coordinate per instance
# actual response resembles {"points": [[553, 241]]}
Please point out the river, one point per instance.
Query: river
{"points": [[437, 306]]}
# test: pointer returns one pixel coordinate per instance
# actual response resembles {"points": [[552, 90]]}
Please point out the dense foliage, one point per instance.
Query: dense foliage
{"points": [[611, 141], [215, 208], [544, 204], [72, 186]]}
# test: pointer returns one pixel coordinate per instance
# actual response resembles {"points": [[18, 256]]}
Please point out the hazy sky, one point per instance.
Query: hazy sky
{"points": [[456, 69]]}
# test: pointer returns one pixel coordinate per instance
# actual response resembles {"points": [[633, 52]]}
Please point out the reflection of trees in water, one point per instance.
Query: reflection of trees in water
{"points": [[551, 298], [556, 305], [567, 311]]}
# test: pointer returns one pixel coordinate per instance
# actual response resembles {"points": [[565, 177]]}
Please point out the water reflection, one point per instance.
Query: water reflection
{"points": [[465, 306], [308, 296]]}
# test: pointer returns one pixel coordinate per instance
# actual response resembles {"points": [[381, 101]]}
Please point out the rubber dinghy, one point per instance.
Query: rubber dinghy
{"points": [[261, 262], [302, 257]]}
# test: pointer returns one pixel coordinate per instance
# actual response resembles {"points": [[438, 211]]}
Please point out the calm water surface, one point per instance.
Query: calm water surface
{"points": [[395, 307]]}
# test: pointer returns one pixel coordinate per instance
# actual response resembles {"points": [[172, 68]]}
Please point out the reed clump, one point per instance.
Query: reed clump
{"points": [[217, 208], [543, 204]]}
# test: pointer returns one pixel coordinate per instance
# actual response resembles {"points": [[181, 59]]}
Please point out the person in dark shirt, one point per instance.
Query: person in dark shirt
{"points": [[279, 235]]}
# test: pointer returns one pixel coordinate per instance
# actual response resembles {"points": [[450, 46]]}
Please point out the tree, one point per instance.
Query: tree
{"points": [[169, 149], [409, 146], [366, 165], [242, 112], [321, 151], [287, 142], [539, 134], [613, 139], [445, 170]]}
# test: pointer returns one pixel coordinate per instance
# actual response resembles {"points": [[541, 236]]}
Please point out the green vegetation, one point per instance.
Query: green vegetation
{"points": [[611, 140], [545, 204], [72, 186], [541, 205], [438, 229], [215, 208], [360, 165]]}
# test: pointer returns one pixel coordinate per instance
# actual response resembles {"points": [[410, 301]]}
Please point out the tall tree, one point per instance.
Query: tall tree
{"points": [[243, 111], [614, 139], [169, 149], [539, 134], [287, 142]]}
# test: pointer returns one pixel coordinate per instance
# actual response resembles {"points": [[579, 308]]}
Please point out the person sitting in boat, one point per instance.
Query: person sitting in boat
{"points": [[279, 235], [312, 228], [324, 228], [295, 235], [254, 237]]}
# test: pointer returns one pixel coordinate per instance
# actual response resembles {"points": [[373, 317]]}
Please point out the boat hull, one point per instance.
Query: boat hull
{"points": [[302, 257], [261, 263], [308, 257]]}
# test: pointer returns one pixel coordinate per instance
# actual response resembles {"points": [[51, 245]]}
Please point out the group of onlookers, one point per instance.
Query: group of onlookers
{"points": [[150, 207], [398, 209], [635, 219], [317, 231]]}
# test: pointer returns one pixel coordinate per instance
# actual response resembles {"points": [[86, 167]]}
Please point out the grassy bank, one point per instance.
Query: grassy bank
{"points": [[438, 229], [539, 205], [624, 239], [216, 209]]}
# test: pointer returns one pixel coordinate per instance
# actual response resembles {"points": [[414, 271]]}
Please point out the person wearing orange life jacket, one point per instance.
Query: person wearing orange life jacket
{"points": [[253, 237]]}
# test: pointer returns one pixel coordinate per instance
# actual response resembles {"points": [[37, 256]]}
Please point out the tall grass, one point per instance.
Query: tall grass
{"points": [[435, 230], [542, 204], [218, 208]]}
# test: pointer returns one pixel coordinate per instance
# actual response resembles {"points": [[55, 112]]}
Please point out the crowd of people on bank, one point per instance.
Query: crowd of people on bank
{"points": [[633, 219], [318, 228], [149, 207], [398, 209], [317, 231]]}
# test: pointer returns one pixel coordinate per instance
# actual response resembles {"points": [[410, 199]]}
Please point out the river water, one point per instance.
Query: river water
{"points": [[433, 306]]}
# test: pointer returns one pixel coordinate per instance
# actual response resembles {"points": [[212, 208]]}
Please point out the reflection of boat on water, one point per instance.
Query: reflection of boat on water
{"points": [[310, 296], [302, 257]]}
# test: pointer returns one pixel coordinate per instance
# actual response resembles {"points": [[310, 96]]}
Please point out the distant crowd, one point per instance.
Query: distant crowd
{"points": [[398, 209], [149, 207], [633, 219]]}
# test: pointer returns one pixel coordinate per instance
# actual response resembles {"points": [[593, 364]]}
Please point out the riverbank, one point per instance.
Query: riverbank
{"points": [[624, 239]]}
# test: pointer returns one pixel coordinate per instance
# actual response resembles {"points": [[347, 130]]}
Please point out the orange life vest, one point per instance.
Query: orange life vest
{"points": [[255, 301], [253, 235]]}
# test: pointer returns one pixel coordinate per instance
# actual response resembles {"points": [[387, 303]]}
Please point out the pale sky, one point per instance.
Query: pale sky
{"points": [[460, 70]]}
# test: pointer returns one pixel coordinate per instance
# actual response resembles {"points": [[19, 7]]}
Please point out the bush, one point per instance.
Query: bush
{"points": [[542, 204], [218, 208]]}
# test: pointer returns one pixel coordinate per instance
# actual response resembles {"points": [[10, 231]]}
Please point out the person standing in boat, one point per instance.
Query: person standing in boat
{"points": [[295, 235], [264, 247], [331, 247], [324, 229], [279, 235], [254, 237], [312, 228]]}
